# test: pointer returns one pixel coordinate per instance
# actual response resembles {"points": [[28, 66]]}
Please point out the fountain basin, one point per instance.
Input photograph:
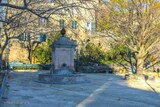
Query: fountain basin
{"points": [[62, 79]]}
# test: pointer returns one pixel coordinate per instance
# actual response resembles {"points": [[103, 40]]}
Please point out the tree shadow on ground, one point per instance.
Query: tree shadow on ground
{"points": [[118, 94], [103, 90]]}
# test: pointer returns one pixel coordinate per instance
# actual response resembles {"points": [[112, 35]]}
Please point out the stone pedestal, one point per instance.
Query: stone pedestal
{"points": [[63, 56], [62, 70]]}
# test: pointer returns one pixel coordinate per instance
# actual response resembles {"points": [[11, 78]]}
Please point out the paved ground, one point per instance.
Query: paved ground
{"points": [[104, 90]]}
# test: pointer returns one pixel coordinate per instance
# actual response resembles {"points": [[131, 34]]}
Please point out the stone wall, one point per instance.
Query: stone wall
{"points": [[95, 69]]}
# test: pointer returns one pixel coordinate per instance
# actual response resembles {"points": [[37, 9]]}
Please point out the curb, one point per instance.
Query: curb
{"points": [[4, 86]]}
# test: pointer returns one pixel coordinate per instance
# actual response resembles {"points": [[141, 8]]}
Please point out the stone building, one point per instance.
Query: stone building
{"points": [[79, 21]]}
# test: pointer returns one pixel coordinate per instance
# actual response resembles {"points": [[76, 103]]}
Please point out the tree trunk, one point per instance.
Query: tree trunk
{"points": [[29, 56], [140, 66], [141, 59], [0, 61], [2, 51]]}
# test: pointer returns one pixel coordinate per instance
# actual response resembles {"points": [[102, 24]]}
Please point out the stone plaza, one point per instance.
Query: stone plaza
{"points": [[104, 90]]}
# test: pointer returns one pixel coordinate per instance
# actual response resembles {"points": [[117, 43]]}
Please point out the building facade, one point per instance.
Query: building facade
{"points": [[77, 17]]}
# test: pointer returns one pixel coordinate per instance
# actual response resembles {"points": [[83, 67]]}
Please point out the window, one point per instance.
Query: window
{"points": [[88, 25], [74, 24], [28, 38], [2, 13], [20, 37], [24, 37], [61, 23], [91, 26], [42, 21], [42, 37]]}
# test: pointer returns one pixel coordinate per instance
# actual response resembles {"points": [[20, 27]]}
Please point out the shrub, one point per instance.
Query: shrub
{"points": [[91, 54]]}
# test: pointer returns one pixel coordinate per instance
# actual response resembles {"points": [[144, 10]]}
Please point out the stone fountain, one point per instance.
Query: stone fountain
{"points": [[62, 70]]}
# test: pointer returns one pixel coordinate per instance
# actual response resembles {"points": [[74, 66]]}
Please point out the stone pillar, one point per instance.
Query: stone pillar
{"points": [[64, 56], [63, 52]]}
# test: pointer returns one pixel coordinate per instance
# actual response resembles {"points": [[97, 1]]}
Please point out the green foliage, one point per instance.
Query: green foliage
{"points": [[43, 53], [117, 54], [91, 54], [133, 24]]}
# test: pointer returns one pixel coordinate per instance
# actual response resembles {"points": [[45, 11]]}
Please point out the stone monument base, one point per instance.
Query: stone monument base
{"points": [[62, 79]]}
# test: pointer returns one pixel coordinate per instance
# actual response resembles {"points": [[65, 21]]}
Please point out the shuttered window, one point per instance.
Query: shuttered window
{"points": [[74, 24], [93, 27], [61, 23], [42, 38], [28, 38]]}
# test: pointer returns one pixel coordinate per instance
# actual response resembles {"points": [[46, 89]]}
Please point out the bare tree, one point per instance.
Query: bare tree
{"points": [[136, 25], [22, 16]]}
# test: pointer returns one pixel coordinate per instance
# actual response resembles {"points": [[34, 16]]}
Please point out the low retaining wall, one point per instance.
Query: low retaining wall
{"points": [[30, 66], [4, 85], [95, 69]]}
